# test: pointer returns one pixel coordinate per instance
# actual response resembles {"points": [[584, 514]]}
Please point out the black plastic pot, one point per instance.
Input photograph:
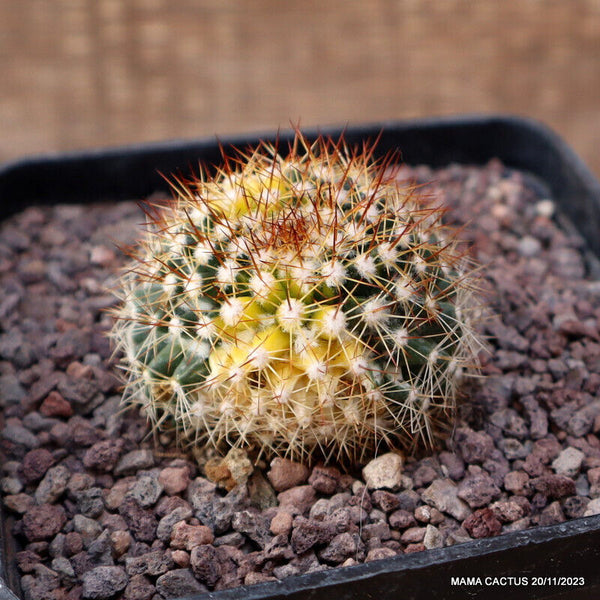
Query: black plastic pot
{"points": [[560, 561]]}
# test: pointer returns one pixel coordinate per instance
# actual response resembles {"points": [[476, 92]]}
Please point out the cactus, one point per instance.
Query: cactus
{"points": [[298, 303]]}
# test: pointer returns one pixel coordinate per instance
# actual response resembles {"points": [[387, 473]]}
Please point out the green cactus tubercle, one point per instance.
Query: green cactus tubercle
{"points": [[298, 302]]}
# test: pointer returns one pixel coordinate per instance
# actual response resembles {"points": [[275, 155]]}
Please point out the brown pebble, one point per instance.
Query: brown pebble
{"points": [[187, 537], [102, 256], [508, 511], [401, 519], [36, 463], [27, 560], [120, 540], [167, 504], [181, 558], [115, 496], [554, 486], [423, 513], [54, 405], [19, 503], [482, 523], [142, 523], [298, 499], [517, 483], [552, 514], [206, 564], [324, 479], [103, 455], [285, 474], [413, 535], [73, 543], [174, 479], [281, 524], [386, 501], [475, 446], [379, 554], [253, 578], [78, 370], [307, 533], [79, 482], [43, 521]]}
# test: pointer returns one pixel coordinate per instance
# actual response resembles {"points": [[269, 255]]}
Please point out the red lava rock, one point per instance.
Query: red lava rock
{"points": [[423, 513], [54, 405], [152, 563], [103, 582], [341, 547], [60, 434], [174, 479], [454, 464], [508, 511], [478, 489], [593, 476], [187, 537], [401, 519], [141, 522], [43, 585], [285, 474], [575, 506], [206, 564], [482, 523], [424, 475], [517, 482], [81, 433], [308, 533], [73, 543], [27, 560], [36, 463], [19, 503], [375, 533], [253, 525], [101, 255], [324, 479], [103, 456], [547, 449], [168, 504], [297, 499], [139, 587], [253, 578], [475, 446], [552, 514], [554, 486], [179, 583], [281, 523], [380, 553], [413, 535], [385, 500], [43, 522], [120, 541], [181, 558]]}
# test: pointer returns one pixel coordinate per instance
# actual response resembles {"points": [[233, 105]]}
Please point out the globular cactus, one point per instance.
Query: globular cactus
{"points": [[298, 302]]}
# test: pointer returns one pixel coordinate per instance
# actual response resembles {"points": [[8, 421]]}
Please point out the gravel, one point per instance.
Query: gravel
{"points": [[99, 513]]}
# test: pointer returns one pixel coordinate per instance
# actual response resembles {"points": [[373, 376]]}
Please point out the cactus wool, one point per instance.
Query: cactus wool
{"points": [[298, 303]]}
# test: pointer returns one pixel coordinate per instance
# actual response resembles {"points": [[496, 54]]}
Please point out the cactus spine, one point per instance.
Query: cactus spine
{"points": [[298, 302]]}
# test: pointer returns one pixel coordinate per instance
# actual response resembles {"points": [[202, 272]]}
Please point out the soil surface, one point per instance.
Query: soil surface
{"points": [[99, 511]]}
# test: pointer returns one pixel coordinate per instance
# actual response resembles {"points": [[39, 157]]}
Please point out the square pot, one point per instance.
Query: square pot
{"points": [[564, 557]]}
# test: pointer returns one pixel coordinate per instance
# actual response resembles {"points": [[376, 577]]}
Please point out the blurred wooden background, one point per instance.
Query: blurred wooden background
{"points": [[89, 73]]}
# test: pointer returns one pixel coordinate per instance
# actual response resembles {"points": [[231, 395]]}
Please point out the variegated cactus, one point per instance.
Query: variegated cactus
{"points": [[298, 302]]}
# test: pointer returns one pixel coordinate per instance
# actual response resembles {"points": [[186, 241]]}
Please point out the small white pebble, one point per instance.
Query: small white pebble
{"points": [[529, 246], [545, 208]]}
